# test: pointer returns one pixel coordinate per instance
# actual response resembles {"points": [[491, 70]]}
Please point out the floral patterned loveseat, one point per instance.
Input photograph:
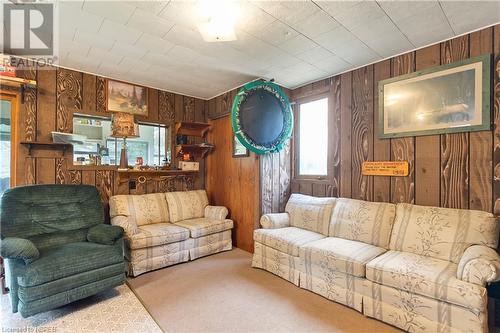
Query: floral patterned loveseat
{"points": [[163, 229], [422, 269]]}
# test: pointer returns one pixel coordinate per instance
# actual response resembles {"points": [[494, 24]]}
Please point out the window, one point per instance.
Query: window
{"points": [[313, 138], [5, 153], [151, 145]]}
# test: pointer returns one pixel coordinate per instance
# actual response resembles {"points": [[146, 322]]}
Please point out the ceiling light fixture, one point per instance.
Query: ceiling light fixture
{"points": [[217, 20]]}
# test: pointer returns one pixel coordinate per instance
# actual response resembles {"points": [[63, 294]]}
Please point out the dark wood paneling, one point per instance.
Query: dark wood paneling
{"points": [[496, 119], [455, 147], [333, 188], [100, 95], [427, 148], [381, 147], [89, 94], [345, 134], [362, 131], [480, 143], [166, 106], [453, 170], [61, 93], [45, 170], [189, 108], [46, 105], [68, 98], [403, 149]]}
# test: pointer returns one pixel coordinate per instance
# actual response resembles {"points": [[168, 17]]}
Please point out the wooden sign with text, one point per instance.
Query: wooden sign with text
{"points": [[385, 168]]}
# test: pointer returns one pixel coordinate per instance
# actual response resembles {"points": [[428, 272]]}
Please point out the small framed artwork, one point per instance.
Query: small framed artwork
{"points": [[126, 97], [445, 99], [239, 150]]}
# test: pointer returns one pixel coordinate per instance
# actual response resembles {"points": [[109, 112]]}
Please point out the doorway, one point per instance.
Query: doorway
{"points": [[7, 141]]}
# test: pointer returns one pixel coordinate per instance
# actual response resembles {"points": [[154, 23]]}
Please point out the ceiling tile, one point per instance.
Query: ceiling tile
{"points": [[297, 45], [153, 43], [119, 32], [315, 54], [114, 10], [71, 15], [157, 43], [73, 47], [92, 39], [382, 36], [332, 64], [105, 56], [289, 12], [411, 16], [464, 16], [361, 14], [136, 64], [276, 33], [152, 6], [316, 24], [143, 21]]}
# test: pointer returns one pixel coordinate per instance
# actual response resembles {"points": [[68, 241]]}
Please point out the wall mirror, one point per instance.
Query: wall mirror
{"points": [[262, 117]]}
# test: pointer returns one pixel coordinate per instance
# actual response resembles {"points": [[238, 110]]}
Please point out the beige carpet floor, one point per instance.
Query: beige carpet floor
{"points": [[222, 293]]}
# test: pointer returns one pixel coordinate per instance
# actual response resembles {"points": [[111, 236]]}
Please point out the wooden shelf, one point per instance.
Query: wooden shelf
{"points": [[16, 81], [198, 151], [84, 167], [159, 172], [46, 145], [191, 129]]}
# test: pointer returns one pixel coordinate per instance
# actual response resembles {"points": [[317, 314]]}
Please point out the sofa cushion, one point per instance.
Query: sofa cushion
{"points": [[204, 226], [441, 233], [425, 276], [186, 205], [287, 240], [339, 254], [69, 259], [142, 209], [311, 213], [367, 222], [157, 234]]}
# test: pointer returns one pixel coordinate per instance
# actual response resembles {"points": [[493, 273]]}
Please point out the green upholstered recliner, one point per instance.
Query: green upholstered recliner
{"points": [[57, 247]]}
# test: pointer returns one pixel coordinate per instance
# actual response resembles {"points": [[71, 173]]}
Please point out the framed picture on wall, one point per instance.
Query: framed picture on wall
{"points": [[445, 99], [126, 97], [239, 150]]}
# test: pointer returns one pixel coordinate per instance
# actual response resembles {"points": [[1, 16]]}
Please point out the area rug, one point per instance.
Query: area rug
{"points": [[222, 293], [115, 310]]}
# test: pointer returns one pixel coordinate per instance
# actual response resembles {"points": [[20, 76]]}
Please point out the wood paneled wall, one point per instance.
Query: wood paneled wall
{"points": [[450, 170], [234, 183], [50, 106]]}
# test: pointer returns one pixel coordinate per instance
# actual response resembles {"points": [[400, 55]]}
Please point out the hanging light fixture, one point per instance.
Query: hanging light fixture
{"points": [[218, 18]]}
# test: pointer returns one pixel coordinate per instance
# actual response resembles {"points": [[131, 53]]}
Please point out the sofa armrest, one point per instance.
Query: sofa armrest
{"points": [[104, 234], [275, 221], [19, 248], [129, 226], [216, 212], [479, 265]]}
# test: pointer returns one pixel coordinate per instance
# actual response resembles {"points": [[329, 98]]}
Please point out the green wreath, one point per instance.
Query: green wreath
{"points": [[248, 90]]}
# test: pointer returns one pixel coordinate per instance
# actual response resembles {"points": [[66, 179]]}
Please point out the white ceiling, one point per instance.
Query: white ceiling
{"points": [[156, 43]]}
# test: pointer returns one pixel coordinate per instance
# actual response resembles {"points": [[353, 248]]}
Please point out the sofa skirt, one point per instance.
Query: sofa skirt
{"points": [[284, 265], [147, 264], [211, 244], [336, 286], [416, 313], [150, 258]]}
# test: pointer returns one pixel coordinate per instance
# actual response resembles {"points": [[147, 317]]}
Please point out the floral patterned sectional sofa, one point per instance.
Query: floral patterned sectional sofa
{"points": [[422, 269], [163, 229]]}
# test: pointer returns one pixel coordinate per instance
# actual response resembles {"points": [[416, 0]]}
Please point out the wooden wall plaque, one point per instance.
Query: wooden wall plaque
{"points": [[385, 168]]}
